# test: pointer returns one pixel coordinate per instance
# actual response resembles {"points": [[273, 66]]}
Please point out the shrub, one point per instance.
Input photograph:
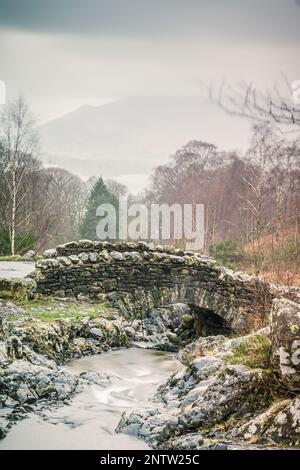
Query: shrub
{"points": [[227, 253], [24, 242], [290, 251], [4, 243]]}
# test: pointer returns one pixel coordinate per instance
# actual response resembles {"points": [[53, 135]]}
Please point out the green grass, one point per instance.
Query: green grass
{"points": [[48, 316], [12, 258], [51, 310], [56, 315], [255, 353], [38, 303]]}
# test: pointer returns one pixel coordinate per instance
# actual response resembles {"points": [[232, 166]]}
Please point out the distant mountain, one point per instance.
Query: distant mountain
{"points": [[133, 135]]}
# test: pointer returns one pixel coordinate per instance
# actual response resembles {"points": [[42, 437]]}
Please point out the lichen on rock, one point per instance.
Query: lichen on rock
{"points": [[285, 336]]}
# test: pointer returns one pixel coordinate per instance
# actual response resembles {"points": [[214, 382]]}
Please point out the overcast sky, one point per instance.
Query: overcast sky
{"points": [[64, 53]]}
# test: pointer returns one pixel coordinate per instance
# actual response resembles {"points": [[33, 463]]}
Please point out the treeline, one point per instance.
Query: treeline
{"points": [[252, 201], [41, 207]]}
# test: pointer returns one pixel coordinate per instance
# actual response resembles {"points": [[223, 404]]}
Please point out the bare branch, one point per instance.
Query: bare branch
{"points": [[246, 101]]}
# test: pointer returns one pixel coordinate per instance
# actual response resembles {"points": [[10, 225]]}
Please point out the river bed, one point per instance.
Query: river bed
{"points": [[89, 421]]}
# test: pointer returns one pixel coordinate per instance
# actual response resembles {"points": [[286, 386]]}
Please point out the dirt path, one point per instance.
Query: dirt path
{"points": [[15, 268]]}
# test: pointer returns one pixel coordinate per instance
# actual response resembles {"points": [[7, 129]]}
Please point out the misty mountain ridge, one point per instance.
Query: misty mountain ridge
{"points": [[133, 135]]}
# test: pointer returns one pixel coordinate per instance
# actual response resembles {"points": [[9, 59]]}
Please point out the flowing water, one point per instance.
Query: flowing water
{"points": [[89, 421]]}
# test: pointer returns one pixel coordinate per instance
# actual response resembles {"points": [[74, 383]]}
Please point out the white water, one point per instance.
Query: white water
{"points": [[90, 420]]}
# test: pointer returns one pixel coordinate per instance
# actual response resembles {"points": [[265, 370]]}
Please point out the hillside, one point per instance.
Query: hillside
{"points": [[133, 135]]}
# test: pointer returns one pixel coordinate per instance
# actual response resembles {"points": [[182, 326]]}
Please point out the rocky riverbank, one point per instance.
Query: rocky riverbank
{"points": [[220, 399], [231, 393], [238, 392], [37, 337]]}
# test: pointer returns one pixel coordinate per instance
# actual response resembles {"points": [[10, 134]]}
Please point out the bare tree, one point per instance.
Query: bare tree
{"points": [[116, 188], [19, 145], [284, 193], [256, 199], [271, 106], [60, 199], [252, 201], [191, 177]]}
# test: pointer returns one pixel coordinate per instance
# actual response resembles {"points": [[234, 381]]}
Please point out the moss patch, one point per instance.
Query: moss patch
{"points": [[12, 258], [254, 354]]}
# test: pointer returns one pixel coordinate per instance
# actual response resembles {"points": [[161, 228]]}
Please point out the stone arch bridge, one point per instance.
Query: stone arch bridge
{"points": [[140, 276]]}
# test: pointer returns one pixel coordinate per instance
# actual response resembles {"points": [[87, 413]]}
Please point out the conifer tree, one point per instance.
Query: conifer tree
{"points": [[99, 195]]}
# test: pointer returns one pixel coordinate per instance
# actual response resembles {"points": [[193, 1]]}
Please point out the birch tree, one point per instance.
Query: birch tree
{"points": [[19, 144], [256, 200]]}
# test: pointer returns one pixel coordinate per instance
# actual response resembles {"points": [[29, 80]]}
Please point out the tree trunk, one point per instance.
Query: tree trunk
{"points": [[13, 215]]}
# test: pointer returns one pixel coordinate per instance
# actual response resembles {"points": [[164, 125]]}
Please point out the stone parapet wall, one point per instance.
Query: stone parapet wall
{"points": [[74, 248]]}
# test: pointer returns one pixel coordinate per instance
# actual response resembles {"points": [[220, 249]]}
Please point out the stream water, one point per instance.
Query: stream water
{"points": [[89, 421]]}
